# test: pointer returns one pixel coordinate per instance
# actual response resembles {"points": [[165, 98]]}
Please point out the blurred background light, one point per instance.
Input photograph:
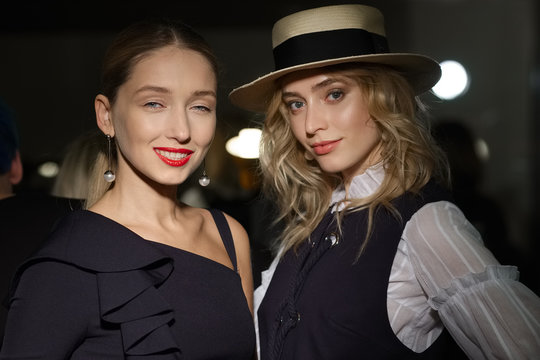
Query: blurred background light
{"points": [[246, 144], [48, 169], [454, 80], [482, 149]]}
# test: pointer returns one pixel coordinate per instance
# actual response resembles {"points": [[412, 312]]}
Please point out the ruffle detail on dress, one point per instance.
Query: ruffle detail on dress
{"points": [[127, 285], [466, 283], [130, 300]]}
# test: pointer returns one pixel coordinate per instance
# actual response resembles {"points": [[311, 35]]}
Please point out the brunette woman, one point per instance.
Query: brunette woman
{"points": [[138, 274]]}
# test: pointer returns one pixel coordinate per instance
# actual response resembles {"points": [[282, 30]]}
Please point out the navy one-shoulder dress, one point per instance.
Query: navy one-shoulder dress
{"points": [[96, 290]]}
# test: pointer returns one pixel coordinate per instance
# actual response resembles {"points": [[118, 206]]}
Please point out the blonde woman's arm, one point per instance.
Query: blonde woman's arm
{"points": [[486, 309]]}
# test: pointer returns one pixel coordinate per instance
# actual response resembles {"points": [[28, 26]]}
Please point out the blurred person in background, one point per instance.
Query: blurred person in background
{"points": [[11, 169], [75, 171], [26, 218]]}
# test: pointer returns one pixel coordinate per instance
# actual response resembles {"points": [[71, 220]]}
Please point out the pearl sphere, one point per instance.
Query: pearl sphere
{"points": [[204, 180], [109, 176]]}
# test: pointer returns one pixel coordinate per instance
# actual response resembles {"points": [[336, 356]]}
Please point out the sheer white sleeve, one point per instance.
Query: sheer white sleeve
{"points": [[485, 308]]}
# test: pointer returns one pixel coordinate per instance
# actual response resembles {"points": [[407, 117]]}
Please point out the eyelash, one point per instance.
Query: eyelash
{"points": [[157, 105], [334, 92], [202, 108], [338, 92], [292, 103], [153, 105]]}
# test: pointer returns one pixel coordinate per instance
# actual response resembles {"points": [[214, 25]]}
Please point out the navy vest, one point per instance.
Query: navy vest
{"points": [[322, 304]]}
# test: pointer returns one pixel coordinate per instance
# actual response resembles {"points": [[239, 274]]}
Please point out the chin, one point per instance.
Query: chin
{"points": [[172, 181], [331, 168]]}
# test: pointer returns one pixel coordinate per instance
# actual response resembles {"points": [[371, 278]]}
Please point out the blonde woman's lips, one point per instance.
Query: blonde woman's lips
{"points": [[325, 147]]}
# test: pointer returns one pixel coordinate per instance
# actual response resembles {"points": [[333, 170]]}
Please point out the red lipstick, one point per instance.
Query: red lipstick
{"points": [[173, 157]]}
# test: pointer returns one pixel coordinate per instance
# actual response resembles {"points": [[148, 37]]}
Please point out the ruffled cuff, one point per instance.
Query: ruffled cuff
{"points": [[464, 284], [491, 315]]}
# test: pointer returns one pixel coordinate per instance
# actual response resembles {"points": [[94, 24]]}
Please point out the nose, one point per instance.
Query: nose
{"points": [[315, 120], [178, 126]]}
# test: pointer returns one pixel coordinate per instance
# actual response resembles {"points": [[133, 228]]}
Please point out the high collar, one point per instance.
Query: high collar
{"points": [[361, 186]]}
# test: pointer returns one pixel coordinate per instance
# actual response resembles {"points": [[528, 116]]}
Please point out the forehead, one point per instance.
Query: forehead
{"points": [[172, 63], [314, 78]]}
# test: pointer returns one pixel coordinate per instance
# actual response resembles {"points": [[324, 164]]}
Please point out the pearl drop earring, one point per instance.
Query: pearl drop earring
{"points": [[204, 180], [109, 175]]}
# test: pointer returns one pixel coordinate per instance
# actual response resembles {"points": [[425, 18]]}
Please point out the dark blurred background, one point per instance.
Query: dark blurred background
{"points": [[50, 53]]}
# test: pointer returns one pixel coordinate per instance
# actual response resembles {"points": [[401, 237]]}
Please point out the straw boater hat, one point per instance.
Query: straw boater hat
{"points": [[332, 35]]}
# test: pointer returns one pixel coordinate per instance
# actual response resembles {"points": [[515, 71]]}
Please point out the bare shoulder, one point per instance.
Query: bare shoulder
{"points": [[238, 232], [237, 229], [243, 253]]}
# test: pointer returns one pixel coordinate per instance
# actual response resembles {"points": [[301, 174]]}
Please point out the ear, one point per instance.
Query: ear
{"points": [[16, 171], [103, 114]]}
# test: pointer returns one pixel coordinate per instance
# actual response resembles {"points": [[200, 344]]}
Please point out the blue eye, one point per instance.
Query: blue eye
{"points": [[153, 105], [295, 105], [202, 108], [335, 94]]}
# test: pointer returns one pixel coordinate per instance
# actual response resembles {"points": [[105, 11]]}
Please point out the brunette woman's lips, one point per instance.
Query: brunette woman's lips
{"points": [[324, 147], [172, 156]]}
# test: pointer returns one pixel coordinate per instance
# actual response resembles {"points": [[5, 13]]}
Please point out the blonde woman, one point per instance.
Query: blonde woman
{"points": [[375, 261]]}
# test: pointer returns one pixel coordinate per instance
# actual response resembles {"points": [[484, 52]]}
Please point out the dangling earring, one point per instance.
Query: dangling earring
{"points": [[308, 156], [109, 175], [204, 180]]}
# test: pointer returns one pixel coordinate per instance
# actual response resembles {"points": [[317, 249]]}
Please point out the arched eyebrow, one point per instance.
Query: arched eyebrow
{"points": [[205, 93], [164, 90], [325, 83], [152, 88], [320, 85]]}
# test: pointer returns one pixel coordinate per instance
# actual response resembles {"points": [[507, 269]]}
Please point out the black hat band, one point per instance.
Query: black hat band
{"points": [[326, 45]]}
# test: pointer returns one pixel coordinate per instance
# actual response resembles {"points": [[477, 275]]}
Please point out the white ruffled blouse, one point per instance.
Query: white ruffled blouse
{"points": [[443, 276]]}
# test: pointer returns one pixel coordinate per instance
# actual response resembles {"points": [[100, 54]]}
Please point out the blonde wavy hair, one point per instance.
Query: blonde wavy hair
{"points": [[303, 191]]}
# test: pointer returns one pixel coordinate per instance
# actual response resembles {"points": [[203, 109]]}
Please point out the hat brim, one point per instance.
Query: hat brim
{"points": [[420, 71]]}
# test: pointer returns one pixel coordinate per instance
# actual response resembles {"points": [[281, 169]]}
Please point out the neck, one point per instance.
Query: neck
{"points": [[131, 202]]}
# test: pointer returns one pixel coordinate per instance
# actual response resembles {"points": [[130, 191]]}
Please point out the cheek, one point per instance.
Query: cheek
{"points": [[372, 128], [127, 136], [203, 132], [298, 129], [121, 132], [127, 123], [353, 119]]}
